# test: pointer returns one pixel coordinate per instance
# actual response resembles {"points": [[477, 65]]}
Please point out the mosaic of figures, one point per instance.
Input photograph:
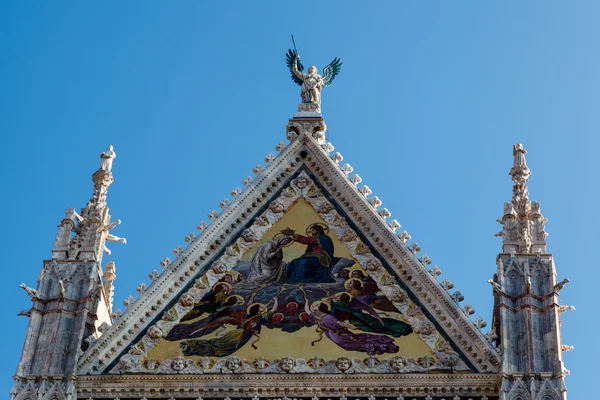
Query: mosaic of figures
{"points": [[297, 292]]}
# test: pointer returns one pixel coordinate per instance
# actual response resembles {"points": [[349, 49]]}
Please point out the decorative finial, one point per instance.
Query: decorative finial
{"points": [[523, 226], [312, 82], [93, 225], [519, 172], [107, 159]]}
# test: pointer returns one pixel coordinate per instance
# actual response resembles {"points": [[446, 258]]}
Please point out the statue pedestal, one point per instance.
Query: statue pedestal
{"points": [[308, 110]]}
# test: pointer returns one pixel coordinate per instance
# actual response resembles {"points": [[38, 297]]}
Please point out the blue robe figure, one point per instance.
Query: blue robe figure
{"points": [[315, 265]]}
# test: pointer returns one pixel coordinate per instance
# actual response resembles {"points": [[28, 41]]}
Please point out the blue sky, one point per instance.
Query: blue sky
{"points": [[430, 100]]}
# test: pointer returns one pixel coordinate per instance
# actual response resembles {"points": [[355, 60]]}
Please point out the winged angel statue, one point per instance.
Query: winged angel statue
{"points": [[312, 82]]}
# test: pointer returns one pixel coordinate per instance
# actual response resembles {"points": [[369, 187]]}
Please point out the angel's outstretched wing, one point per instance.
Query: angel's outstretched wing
{"points": [[331, 71], [289, 60]]}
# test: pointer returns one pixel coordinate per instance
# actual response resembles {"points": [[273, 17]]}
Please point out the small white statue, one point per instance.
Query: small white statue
{"points": [[496, 286], [107, 159], [113, 238], [525, 241], [519, 154], [31, 292], [312, 82], [61, 288]]}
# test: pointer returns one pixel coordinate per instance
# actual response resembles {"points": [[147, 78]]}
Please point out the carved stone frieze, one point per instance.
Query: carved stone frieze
{"points": [[233, 386]]}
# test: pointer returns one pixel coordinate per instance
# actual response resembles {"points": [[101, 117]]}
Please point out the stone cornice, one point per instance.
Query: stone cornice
{"points": [[292, 385]]}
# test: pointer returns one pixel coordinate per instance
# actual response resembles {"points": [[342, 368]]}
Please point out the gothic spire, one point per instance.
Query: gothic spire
{"points": [[92, 227], [523, 226]]}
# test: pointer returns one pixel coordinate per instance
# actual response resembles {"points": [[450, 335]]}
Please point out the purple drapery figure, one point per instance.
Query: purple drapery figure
{"points": [[347, 340]]}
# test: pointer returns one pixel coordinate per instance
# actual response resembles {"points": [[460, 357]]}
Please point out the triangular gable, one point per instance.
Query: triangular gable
{"points": [[303, 175]]}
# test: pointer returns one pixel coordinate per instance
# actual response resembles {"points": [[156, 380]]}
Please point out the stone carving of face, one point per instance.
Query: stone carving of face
{"points": [[276, 207], [218, 268], [190, 364], [426, 362], [343, 364], [312, 70], [178, 364], [398, 296], [151, 364], [449, 360], [248, 236], [126, 364], [155, 333], [261, 363], [425, 328], [316, 363], [416, 312], [287, 364], [325, 208], [444, 347], [301, 182], [234, 363], [373, 264], [371, 362], [206, 363], [397, 363], [348, 236], [186, 300], [387, 280]]}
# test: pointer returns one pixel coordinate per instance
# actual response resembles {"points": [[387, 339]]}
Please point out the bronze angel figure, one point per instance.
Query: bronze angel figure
{"points": [[311, 82]]}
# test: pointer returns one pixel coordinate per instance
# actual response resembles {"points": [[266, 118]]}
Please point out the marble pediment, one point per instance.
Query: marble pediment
{"points": [[300, 273]]}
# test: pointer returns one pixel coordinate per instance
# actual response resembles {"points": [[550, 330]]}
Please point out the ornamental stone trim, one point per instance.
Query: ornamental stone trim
{"points": [[278, 386]]}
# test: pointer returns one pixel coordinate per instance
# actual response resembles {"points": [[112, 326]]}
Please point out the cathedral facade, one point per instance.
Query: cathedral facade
{"points": [[300, 286]]}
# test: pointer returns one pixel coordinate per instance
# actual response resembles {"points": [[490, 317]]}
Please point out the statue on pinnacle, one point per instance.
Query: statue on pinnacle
{"points": [[312, 82], [519, 172], [107, 159]]}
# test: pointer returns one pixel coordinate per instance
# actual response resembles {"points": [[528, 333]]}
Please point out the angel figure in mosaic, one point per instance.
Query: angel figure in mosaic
{"points": [[361, 315], [231, 312], [256, 315], [211, 301], [340, 332]]}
